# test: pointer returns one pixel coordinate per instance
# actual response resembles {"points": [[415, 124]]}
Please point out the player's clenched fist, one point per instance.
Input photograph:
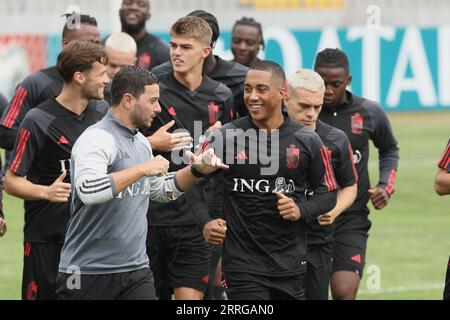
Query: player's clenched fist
{"points": [[287, 207], [158, 166]]}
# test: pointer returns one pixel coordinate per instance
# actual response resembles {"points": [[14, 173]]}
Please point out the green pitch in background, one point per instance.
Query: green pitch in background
{"points": [[409, 242]]}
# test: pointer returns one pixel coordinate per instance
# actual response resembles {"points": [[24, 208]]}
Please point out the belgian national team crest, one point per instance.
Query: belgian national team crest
{"points": [[292, 157], [213, 110], [144, 61], [357, 123]]}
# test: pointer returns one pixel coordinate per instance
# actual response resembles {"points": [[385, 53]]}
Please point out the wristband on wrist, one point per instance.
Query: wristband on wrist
{"points": [[196, 173]]}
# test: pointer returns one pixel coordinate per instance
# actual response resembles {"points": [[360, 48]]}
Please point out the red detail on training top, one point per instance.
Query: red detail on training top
{"points": [[32, 290], [16, 105], [144, 60], [357, 123], [27, 250], [205, 279], [444, 162], [329, 179], [232, 114], [172, 112], [391, 181], [292, 157], [63, 140], [357, 258], [24, 136], [213, 110], [224, 283]]}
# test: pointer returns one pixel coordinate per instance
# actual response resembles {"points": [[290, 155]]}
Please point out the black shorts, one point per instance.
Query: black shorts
{"points": [[318, 271], [350, 243], [179, 258], [244, 286], [40, 268], [133, 285], [447, 282]]}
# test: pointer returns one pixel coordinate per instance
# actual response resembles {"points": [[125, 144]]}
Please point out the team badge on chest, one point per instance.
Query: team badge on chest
{"points": [[213, 110], [292, 157], [357, 123]]}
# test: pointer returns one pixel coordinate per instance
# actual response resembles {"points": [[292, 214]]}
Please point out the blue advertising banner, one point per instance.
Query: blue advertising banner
{"points": [[402, 68]]}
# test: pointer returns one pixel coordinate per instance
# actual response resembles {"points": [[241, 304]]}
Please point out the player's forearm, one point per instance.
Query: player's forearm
{"points": [[127, 177], [185, 179], [388, 164], [318, 204], [198, 205], [345, 198], [442, 182], [20, 187]]}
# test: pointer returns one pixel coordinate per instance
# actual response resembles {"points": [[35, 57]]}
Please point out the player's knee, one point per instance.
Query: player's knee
{"points": [[344, 287]]}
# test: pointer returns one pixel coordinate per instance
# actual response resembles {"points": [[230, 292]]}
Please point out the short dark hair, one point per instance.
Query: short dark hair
{"points": [[274, 68], [83, 19], [211, 20], [332, 58], [244, 21], [131, 80], [78, 56]]}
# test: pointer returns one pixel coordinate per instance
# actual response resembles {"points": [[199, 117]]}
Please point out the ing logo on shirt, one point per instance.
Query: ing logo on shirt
{"points": [[263, 185]]}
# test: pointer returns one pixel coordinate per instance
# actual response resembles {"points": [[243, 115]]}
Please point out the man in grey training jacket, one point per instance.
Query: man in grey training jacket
{"points": [[113, 174]]}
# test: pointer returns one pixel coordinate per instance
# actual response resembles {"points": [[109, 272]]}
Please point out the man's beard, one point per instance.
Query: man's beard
{"points": [[132, 28]]}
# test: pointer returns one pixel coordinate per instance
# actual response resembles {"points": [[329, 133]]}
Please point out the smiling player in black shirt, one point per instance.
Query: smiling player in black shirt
{"points": [[40, 168], [178, 253], [273, 161]]}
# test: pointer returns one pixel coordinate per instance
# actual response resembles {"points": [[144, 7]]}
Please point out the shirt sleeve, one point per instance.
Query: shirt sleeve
{"points": [[165, 188], [197, 199], [26, 147], [344, 168], [24, 99], [444, 162], [228, 109], [388, 152], [320, 178], [92, 154]]}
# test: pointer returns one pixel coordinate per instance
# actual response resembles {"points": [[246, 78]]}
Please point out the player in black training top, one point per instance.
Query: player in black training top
{"points": [[151, 51], [246, 41], [42, 85], [273, 161], [178, 253], [362, 120], [230, 73], [304, 103], [40, 169], [442, 187], [3, 227]]}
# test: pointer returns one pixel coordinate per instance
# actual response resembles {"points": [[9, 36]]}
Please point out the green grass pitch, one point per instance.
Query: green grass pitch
{"points": [[409, 242]]}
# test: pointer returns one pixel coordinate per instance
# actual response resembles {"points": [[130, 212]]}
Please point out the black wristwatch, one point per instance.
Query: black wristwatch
{"points": [[196, 173]]}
